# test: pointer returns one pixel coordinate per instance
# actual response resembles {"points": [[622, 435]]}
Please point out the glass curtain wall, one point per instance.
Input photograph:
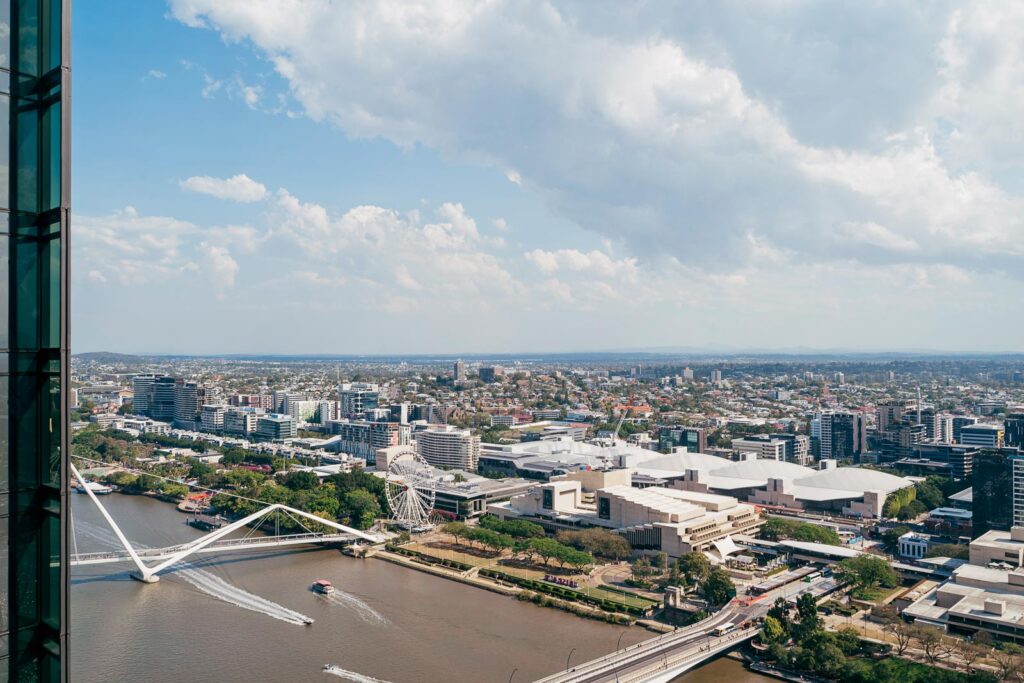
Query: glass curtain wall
{"points": [[34, 338]]}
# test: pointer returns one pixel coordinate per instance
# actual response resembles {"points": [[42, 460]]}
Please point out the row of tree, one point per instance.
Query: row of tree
{"points": [[777, 529], [530, 547]]}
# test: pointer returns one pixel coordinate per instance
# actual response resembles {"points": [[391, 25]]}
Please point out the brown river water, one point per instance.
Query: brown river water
{"points": [[238, 617]]}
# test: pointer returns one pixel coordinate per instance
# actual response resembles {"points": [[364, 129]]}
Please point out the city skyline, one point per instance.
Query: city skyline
{"points": [[515, 192]]}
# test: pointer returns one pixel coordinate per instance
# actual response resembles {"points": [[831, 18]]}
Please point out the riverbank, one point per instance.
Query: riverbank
{"points": [[472, 578]]}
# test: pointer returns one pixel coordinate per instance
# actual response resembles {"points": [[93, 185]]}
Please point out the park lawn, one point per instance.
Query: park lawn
{"points": [[876, 594], [631, 600], [453, 554]]}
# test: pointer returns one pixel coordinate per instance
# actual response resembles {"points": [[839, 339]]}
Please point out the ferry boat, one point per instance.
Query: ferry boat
{"points": [[323, 587], [94, 486]]}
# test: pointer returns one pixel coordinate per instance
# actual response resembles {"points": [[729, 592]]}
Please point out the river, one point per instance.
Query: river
{"points": [[239, 617]]}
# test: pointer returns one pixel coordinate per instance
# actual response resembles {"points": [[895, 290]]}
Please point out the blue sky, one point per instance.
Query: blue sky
{"points": [[317, 177]]}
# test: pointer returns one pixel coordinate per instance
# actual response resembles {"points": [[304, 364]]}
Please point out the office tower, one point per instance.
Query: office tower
{"points": [[355, 397], [930, 420], [840, 378], [449, 448], [187, 401], [996, 496], [1013, 430], [984, 435], [165, 391], [893, 410], [34, 340], [944, 428], [490, 374], [843, 435], [142, 388], [326, 411], [959, 422], [688, 374], [241, 421], [399, 413], [212, 418], [694, 439], [716, 377], [276, 427], [460, 371]]}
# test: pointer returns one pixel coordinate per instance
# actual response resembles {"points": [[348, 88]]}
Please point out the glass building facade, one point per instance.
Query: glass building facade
{"points": [[34, 338], [992, 481]]}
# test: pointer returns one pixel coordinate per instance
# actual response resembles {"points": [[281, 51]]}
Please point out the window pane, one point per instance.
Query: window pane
{"points": [[5, 623], [52, 425], [25, 267], [5, 278], [51, 595], [51, 156], [27, 39], [27, 121], [5, 34], [4, 428], [49, 298], [5, 148]]}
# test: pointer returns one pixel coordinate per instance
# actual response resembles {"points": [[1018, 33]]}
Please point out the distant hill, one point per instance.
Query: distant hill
{"points": [[108, 357]]}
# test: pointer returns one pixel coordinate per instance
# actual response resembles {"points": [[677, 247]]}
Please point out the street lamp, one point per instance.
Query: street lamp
{"points": [[618, 643], [569, 658], [512, 674]]}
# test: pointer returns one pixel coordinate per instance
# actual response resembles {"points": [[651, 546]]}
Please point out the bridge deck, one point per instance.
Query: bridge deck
{"points": [[222, 545]]}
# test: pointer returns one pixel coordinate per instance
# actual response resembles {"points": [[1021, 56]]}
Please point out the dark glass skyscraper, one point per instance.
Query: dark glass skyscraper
{"points": [[992, 480], [34, 338]]}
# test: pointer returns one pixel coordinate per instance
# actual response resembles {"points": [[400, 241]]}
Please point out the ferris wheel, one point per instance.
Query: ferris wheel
{"points": [[411, 487]]}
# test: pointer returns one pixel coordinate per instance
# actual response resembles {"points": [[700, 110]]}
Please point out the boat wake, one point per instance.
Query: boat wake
{"points": [[218, 588], [350, 675], [96, 533], [361, 609]]}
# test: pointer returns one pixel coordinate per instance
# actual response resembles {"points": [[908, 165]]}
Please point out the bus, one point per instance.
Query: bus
{"points": [[727, 627]]}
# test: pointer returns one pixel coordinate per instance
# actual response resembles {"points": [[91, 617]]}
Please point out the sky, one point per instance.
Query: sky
{"points": [[385, 176]]}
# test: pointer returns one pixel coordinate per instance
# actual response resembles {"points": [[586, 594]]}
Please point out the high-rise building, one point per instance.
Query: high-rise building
{"points": [[1013, 430], [241, 421], [995, 496], [212, 418], [695, 439], [449, 448], [688, 374], [188, 398], [142, 389], [893, 410], [35, 194], [843, 435], [355, 397], [459, 373], [492, 373], [276, 427], [363, 439], [961, 421], [984, 435], [840, 378], [716, 377], [161, 405]]}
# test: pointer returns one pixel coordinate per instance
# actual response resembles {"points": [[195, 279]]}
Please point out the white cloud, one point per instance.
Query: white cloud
{"points": [[220, 266], [155, 74], [674, 134], [237, 188], [500, 224]]}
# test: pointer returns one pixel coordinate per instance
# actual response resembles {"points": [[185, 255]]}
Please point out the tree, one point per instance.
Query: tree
{"points": [[902, 632], [545, 548], [890, 539], [957, 551], [301, 481], [968, 651], [780, 612], [718, 588], [457, 530], [772, 631], [1008, 661], [363, 508], [867, 571], [930, 640], [695, 567], [847, 640]]}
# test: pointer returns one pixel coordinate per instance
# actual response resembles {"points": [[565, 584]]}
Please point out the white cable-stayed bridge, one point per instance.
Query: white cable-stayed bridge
{"points": [[149, 562]]}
